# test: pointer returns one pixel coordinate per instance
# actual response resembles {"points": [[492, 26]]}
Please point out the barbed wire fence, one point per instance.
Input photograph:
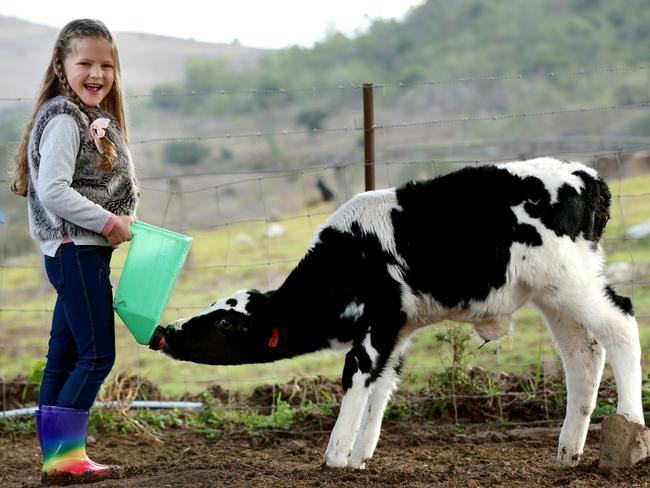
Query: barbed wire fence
{"points": [[252, 225]]}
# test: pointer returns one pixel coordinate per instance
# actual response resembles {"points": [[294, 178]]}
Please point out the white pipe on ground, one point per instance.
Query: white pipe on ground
{"points": [[20, 412]]}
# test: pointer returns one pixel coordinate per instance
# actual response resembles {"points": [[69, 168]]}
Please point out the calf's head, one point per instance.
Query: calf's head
{"points": [[235, 330]]}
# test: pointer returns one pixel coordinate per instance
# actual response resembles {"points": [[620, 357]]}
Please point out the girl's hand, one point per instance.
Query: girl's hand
{"points": [[121, 231]]}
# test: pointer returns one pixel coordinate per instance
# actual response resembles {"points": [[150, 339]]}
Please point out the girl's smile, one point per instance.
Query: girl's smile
{"points": [[90, 69]]}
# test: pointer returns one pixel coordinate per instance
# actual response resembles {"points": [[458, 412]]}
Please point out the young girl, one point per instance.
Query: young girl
{"points": [[76, 172]]}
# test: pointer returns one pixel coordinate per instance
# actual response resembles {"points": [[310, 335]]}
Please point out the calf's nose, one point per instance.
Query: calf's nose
{"points": [[157, 340]]}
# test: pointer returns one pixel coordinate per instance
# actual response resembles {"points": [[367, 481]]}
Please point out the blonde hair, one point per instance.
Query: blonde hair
{"points": [[55, 83]]}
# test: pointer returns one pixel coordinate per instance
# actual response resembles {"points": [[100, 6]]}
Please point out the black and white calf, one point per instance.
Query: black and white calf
{"points": [[471, 246]]}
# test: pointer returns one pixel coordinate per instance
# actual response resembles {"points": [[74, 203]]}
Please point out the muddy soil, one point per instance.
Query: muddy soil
{"points": [[415, 455]]}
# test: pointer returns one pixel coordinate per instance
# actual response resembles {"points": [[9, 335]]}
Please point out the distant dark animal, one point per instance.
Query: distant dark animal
{"points": [[325, 193], [472, 246]]}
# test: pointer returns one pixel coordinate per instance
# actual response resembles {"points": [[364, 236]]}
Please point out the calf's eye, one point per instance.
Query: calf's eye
{"points": [[224, 324]]}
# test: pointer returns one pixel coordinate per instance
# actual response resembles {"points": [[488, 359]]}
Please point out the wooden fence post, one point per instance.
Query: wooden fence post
{"points": [[369, 136]]}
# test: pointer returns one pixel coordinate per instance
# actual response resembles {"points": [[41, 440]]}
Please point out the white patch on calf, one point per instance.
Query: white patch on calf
{"points": [[551, 172], [353, 311], [371, 351], [372, 212], [557, 263], [177, 324], [491, 316], [240, 296], [408, 298]]}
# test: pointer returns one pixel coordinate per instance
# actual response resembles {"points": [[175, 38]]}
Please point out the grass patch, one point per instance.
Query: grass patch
{"points": [[214, 419], [458, 396]]}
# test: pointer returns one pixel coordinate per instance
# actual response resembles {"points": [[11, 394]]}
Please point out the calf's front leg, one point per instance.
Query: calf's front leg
{"points": [[370, 428], [356, 374]]}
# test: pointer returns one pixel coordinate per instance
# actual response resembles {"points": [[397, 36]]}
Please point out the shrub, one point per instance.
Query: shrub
{"points": [[312, 119], [185, 152]]}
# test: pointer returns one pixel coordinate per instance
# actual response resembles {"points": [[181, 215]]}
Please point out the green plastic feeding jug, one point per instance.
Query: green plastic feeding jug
{"points": [[153, 264]]}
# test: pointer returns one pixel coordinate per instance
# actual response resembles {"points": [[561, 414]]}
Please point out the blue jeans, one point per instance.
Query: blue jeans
{"points": [[81, 350]]}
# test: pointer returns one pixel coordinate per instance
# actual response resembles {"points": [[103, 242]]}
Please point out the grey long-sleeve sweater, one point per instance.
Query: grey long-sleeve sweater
{"points": [[68, 196], [58, 148]]}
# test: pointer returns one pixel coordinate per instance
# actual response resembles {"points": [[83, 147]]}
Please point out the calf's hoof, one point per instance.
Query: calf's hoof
{"points": [[335, 463], [356, 463], [336, 459], [568, 458]]}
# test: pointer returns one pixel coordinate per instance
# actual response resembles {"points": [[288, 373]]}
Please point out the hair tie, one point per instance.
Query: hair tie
{"points": [[97, 130]]}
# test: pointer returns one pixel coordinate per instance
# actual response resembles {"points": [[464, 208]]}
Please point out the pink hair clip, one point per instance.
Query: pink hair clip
{"points": [[97, 130]]}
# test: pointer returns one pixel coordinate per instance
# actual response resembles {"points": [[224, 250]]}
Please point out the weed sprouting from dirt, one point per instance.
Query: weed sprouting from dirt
{"points": [[120, 393], [218, 419], [34, 379]]}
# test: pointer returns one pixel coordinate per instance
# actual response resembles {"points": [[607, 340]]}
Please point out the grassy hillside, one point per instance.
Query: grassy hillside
{"points": [[442, 40], [146, 58]]}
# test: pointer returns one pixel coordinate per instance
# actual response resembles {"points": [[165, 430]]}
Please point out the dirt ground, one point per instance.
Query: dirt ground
{"points": [[415, 455]]}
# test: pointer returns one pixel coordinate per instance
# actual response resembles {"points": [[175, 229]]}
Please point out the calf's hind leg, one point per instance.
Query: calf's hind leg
{"points": [[583, 360], [608, 319]]}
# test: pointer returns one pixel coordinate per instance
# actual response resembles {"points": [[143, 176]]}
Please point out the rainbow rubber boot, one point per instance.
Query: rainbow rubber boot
{"points": [[62, 433]]}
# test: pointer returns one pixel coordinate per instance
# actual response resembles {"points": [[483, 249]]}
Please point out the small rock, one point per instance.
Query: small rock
{"points": [[243, 239], [274, 230], [622, 272], [623, 443], [639, 231]]}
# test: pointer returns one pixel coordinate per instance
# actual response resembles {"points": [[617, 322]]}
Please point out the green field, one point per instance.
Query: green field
{"points": [[240, 256]]}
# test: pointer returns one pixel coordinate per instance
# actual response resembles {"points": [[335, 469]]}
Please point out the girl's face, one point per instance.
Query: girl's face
{"points": [[90, 69]]}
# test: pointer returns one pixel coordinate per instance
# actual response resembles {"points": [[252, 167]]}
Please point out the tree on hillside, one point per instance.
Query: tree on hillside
{"points": [[311, 119], [185, 152], [166, 96]]}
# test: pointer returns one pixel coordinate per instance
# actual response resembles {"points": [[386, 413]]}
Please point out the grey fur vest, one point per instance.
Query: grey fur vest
{"points": [[116, 191]]}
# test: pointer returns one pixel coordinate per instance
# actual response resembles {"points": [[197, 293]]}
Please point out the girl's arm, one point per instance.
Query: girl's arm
{"points": [[118, 229]]}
